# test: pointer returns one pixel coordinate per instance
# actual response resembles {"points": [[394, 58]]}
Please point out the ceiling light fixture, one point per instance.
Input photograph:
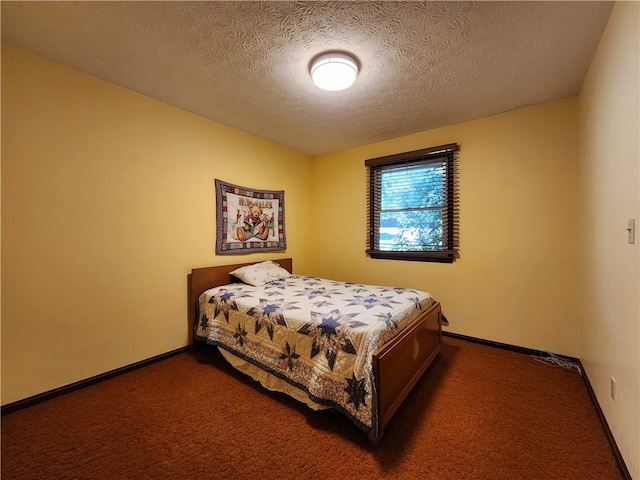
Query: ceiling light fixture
{"points": [[334, 71]]}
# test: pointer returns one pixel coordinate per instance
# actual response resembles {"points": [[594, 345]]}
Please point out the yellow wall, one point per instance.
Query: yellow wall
{"points": [[610, 179], [108, 201], [516, 280]]}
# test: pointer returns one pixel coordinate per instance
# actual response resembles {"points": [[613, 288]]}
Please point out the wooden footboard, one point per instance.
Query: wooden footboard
{"points": [[399, 364]]}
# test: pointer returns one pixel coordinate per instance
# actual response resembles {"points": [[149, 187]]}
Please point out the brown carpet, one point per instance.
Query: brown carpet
{"points": [[478, 413]]}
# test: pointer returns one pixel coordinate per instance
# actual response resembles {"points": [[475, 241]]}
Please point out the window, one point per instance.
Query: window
{"points": [[413, 205]]}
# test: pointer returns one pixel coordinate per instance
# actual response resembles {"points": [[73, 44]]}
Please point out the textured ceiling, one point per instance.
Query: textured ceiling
{"points": [[246, 64]]}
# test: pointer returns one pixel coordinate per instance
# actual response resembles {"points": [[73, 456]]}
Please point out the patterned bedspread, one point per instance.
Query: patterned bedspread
{"points": [[317, 335]]}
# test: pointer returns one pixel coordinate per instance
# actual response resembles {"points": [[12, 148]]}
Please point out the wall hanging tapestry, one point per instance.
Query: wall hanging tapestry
{"points": [[248, 220]]}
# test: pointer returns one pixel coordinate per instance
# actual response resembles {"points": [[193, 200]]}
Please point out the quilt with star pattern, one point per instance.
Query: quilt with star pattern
{"points": [[317, 335]]}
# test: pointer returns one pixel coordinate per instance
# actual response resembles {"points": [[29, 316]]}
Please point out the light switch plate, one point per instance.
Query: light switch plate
{"points": [[631, 231]]}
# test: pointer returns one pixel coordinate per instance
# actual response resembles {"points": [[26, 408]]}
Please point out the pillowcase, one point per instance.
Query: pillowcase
{"points": [[259, 274]]}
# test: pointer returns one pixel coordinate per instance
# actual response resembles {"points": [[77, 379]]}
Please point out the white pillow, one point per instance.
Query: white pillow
{"points": [[259, 274]]}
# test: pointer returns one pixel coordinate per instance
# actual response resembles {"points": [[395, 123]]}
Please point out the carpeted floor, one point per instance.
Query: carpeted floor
{"points": [[478, 413]]}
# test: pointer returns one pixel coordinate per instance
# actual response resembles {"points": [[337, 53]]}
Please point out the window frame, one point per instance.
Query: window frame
{"points": [[447, 154]]}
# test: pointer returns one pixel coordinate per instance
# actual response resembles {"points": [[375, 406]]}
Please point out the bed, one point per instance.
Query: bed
{"points": [[328, 344]]}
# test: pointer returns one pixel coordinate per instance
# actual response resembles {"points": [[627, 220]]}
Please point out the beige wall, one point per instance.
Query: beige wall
{"points": [[516, 280], [610, 180], [107, 203]]}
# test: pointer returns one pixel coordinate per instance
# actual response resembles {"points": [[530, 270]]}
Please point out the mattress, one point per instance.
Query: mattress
{"points": [[309, 337]]}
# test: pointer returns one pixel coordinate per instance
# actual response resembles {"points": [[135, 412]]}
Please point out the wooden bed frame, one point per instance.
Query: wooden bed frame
{"points": [[397, 365]]}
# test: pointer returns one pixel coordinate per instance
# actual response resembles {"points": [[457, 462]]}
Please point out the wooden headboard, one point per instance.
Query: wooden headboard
{"points": [[201, 279]]}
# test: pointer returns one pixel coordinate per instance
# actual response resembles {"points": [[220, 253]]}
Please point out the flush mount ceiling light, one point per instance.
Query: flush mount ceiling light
{"points": [[334, 71]]}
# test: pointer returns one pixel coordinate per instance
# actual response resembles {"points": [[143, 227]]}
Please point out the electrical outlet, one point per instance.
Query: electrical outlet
{"points": [[613, 388]]}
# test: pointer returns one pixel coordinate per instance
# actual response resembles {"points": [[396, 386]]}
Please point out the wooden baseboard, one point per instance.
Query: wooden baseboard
{"points": [[592, 395], [614, 446], [506, 346], [41, 397]]}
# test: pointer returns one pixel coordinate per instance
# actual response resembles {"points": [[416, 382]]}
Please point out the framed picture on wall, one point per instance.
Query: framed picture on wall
{"points": [[248, 220]]}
